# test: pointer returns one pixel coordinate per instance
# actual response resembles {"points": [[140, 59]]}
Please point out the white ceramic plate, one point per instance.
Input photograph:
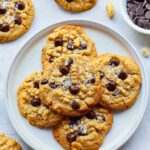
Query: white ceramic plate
{"points": [[29, 60]]}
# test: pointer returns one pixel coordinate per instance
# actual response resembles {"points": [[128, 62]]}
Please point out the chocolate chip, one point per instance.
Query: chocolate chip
{"points": [[71, 137], [53, 85], [51, 59], [69, 62], [4, 27], [101, 117], [74, 123], [114, 62], [75, 105], [74, 119], [83, 45], [122, 75], [58, 42], [82, 131], [2, 10], [20, 5], [44, 81], [140, 23], [17, 20], [36, 84], [139, 11], [64, 70], [147, 6], [147, 14], [102, 74], [35, 102], [70, 45], [69, 1], [74, 90], [91, 80], [91, 115], [111, 86]]}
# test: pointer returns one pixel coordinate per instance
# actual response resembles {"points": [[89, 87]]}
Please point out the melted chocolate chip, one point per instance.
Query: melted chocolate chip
{"points": [[2, 10], [20, 5], [75, 105], [58, 42], [111, 86], [102, 75], [74, 122], [82, 131], [53, 85], [71, 137], [70, 45], [44, 81], [122, 75], [83, 45], [92, 80], [17, 20], [91, 115], [4, 27], [36, 84], [74, 118], [35, 102], [74, 90], [51, 59], [64, 70], [114, 62]]}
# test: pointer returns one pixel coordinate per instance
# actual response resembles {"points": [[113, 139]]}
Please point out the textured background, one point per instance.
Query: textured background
{"points": [[46, 13]]}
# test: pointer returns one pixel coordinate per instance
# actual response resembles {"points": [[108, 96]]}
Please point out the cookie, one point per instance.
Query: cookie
{"points": [[15, 18], [64, 40], [30, 105], [8, 144], [71, 85], [84, 133], [120, 80], [76, 5]]}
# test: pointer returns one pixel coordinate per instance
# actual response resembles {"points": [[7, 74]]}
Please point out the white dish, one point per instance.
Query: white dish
{"points": [[28, 60], [126, 17]]}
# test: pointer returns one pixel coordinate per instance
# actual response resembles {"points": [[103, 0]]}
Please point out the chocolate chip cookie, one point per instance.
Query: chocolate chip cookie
{"points": [[15, 18], [64, 40], [84, 133], [76, 5], [30, 105], [120, 80], [8, 143], [71, 85]]}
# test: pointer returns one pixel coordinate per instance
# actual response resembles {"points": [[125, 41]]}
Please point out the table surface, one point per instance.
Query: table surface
{"points": [[47, 12]]}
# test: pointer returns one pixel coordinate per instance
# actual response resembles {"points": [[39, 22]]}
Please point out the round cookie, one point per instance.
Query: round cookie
{"points": [[120, 80], [76, 5], [15, 18], [84, 133], [30, 105], [64, 40], [8, 143], [71, 85]]}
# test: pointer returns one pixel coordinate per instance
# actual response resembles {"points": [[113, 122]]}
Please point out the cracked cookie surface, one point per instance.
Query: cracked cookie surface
{"points": [[30, 105], [71, 85], [120, 80], [76, 5], [8, 143], [15, 18], [64, 40], [84, 133]]}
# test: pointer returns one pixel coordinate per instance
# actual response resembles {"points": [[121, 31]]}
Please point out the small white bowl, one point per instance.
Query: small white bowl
{"points": [[126, 17]]}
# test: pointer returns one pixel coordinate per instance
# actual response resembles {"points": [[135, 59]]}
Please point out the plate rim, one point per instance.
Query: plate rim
{"points": [[83, 21]]}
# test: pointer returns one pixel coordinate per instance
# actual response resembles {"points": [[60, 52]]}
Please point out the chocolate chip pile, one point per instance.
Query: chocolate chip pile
{"points": [[139, 12]]}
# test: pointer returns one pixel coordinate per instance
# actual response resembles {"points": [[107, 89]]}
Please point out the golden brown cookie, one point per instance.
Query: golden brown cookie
{"points": [[120, 80], [76, 5], [84, 133], [15, 18], [64, 40], [30, 105], [8, 143], [71, 85]]}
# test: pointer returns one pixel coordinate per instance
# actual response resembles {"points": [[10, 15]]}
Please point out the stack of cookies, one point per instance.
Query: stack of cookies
{"points": [[77, 88]]}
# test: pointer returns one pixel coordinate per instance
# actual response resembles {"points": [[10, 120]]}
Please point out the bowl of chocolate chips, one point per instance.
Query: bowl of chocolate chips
{"points": [[137, 14]]}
